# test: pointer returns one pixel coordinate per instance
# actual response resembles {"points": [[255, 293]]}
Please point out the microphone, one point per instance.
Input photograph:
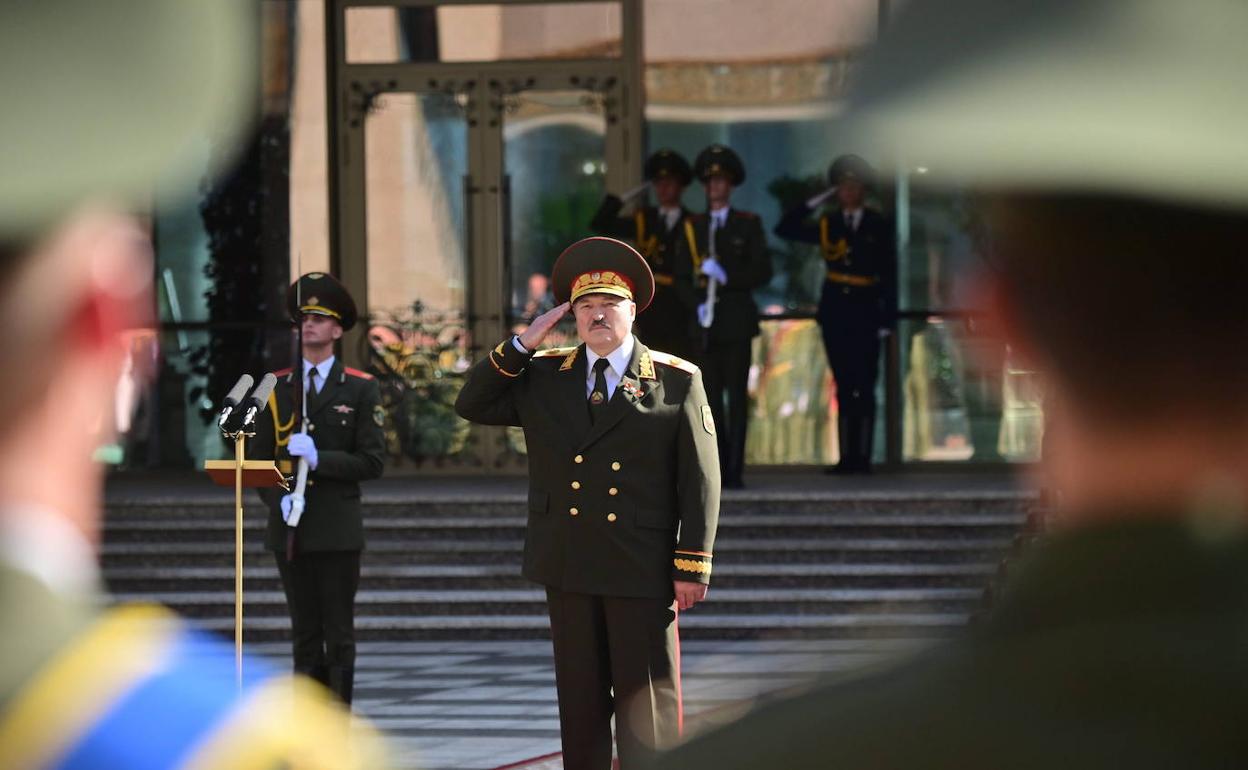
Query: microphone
{"points": [[259, 397], [236, 394]]}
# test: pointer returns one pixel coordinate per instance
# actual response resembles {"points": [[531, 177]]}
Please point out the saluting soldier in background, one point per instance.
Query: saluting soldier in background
{"points": [[623, 499], [726, 246], [670, 322], [859, 300], [343, 444]]}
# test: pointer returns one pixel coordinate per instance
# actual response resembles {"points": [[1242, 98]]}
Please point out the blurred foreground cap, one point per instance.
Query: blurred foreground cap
{"points": [[1142, 97], [107, 99]]}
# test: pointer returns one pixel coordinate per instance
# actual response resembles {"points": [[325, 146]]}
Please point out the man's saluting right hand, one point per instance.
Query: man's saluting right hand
{"points": [[542, 325]]}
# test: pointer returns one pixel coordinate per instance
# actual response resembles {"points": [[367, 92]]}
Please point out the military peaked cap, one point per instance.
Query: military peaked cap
{"points": [[718, 159], [602, 266], [851, 167], [668, 163], [321, 294]]}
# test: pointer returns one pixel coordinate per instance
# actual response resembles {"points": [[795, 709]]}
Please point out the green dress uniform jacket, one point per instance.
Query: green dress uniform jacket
{"points": [[1119, 644], [741, 248], [345, 420], [619, 507]]}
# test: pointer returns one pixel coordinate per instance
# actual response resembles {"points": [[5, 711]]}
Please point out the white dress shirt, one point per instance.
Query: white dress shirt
{"points": [[669, 215], [853, 218], [322, 373], [618, 363], [719, 217]]}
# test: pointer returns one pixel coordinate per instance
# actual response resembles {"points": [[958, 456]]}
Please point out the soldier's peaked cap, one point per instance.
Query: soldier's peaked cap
{"points": [[602, 266], [321, 294], [668, 163], [1139, 98], [851, 167], [719, 159]]}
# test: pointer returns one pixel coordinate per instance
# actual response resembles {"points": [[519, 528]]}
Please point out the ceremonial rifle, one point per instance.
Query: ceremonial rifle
{"points": [[300, 404]]}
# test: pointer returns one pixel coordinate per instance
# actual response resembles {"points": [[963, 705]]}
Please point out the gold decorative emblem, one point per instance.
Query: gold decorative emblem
{"points": [[601, 282], [314, 300], [708, 420], [597, 398], [645, 367], [566, 366]]}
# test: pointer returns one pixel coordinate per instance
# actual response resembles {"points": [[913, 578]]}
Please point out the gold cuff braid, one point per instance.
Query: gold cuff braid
{"points": [[693, 565]]}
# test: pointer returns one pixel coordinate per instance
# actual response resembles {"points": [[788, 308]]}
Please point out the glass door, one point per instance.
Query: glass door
{"points": [[462, 185]]}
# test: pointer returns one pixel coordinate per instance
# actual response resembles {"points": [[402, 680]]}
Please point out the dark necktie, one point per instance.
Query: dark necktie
{"points": [[598, 396], [312, 386], [849, 222]]}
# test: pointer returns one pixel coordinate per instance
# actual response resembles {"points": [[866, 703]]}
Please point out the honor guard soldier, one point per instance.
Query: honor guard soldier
{"points": [[623, 499], [728, 251], [669, 324], [1112, 213], [342, 442], [113, 90], [859, 299]]}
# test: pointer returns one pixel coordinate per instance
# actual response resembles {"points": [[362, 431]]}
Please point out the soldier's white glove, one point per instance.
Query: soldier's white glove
{"points": [[704, 315], [633, 193], [711, 268], [287, 501], [302, 445], [817, 201]]}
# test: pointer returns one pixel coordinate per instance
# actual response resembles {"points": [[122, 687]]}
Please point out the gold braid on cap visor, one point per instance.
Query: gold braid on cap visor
{"points": [[602, 282], [320, 310]]}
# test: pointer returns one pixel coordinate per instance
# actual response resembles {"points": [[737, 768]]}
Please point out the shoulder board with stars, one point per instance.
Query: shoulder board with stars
{"points": [[667, 359]]}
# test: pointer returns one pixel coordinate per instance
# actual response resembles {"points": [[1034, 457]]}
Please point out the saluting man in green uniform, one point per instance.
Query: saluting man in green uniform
{"points": [[343, 444], [623, 499]]}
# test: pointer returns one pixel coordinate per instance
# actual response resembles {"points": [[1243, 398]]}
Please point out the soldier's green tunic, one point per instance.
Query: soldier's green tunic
{"points": [[346, 419], [620, 507]]}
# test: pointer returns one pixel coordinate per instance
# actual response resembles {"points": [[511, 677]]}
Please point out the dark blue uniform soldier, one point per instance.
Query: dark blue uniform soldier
{"points": [[859, 297]]}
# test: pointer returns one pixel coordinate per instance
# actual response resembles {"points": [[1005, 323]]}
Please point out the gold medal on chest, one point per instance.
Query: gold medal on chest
{"points": [[597, 398]]}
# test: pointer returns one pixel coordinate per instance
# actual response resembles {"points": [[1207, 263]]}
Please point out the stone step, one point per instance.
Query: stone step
{"points": [[513, 528], [774, 503], [211, 604], [693, 626], [722, 545], [139, 579], [784, 552]]}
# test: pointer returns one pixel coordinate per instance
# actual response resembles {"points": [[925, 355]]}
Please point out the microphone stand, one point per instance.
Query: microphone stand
{"points": [[239, 437]]}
